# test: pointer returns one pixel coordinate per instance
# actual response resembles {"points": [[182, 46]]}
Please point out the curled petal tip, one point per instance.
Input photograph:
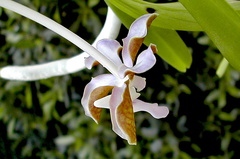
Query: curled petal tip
{"points": [[135, 37], [151, 17], [132, 143], [90, 62], [165, 111], [154, 48]]}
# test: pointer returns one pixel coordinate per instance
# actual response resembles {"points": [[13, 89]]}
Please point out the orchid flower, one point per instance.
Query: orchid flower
{"points": [[125, 85]]}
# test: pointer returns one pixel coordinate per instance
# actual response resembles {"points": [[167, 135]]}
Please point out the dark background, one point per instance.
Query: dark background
{"points": [[45, 119]]}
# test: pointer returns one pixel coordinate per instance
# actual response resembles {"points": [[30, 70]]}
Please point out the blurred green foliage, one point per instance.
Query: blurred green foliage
{"points": [[44, 119]]}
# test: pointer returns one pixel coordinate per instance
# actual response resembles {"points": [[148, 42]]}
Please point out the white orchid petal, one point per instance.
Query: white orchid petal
{"points": [[89, 62], [110, 49], [115, 101], [100, 81], [103, 102], [135, 37], [133, 93], [122, 115], [138, 82], [155, 110], [145, 61]]}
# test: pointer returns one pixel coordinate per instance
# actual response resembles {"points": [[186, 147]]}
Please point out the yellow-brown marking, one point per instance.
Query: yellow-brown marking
{"points": [[125, 117], [95, 95]]}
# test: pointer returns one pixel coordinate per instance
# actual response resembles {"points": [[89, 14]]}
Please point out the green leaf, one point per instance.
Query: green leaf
{"points": [[171, 15], [222, 68], [28, 96], [48, 109], [222, 24], [25, 44], [10, 129], [226, 141], [171, 47], [2, 111], [196, 148], [226, 116], [212, 96], [65, 140]]}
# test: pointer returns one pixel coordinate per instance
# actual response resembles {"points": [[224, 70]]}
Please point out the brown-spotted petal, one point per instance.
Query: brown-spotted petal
{"points": [[136, 83], [97, 88], [145, 61], [152, 108], [122, 115], [135, 37]]}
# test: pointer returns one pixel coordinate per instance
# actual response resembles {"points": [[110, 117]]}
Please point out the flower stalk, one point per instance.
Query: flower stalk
{"points": [[64, 32]]}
